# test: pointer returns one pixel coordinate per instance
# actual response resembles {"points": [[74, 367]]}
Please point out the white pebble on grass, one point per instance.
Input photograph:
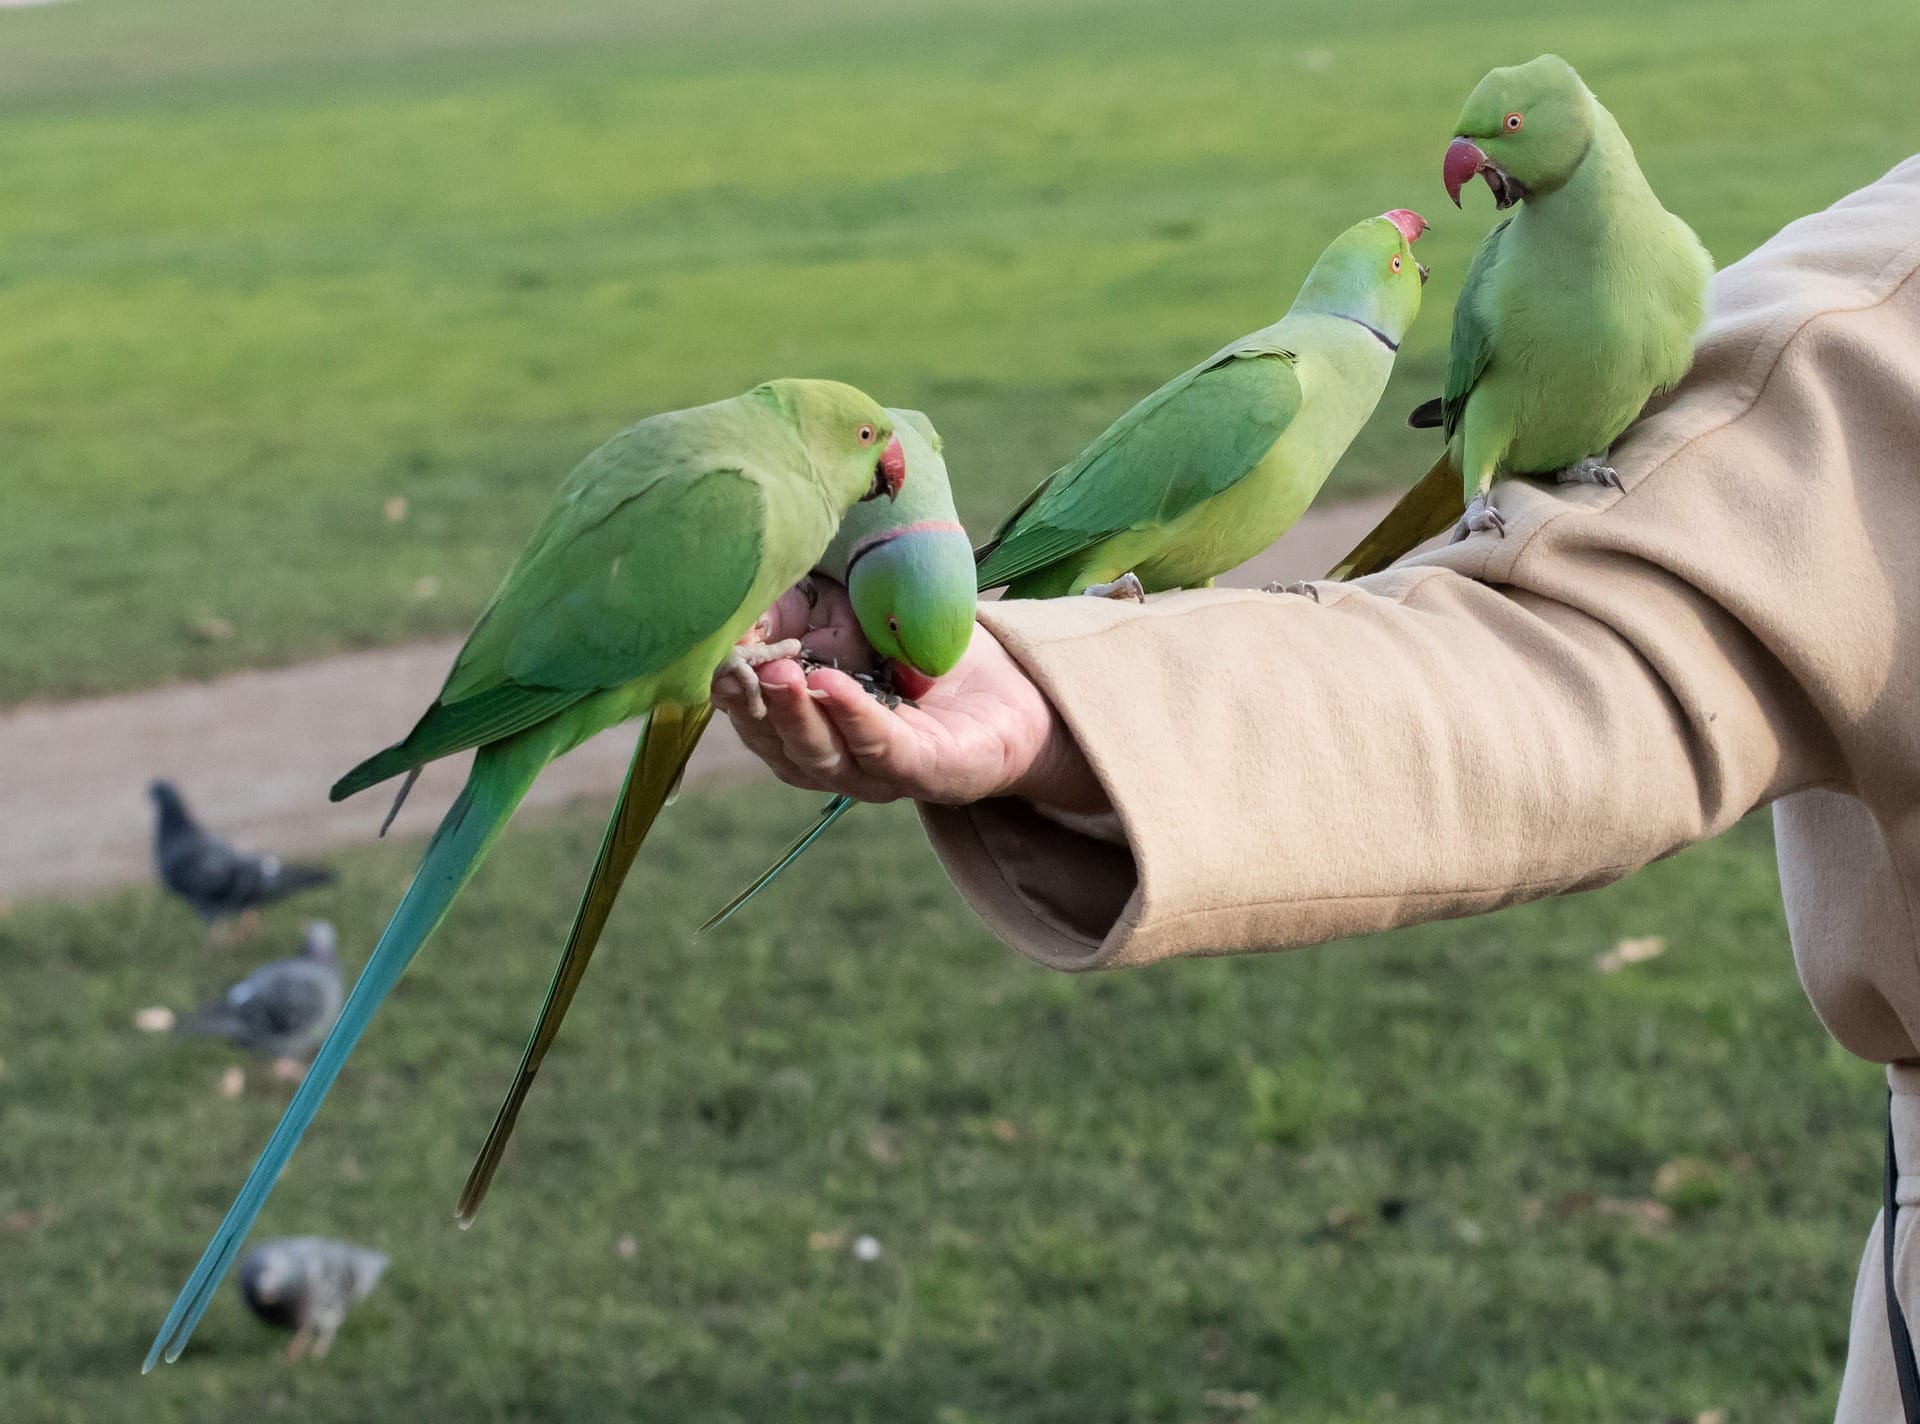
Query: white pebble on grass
{"points": [[866, 1248]]}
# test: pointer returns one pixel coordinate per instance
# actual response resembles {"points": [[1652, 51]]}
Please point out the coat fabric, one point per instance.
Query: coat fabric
{"points": [[1622, 675]]}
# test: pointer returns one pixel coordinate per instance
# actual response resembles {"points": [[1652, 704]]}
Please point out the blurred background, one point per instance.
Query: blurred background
{"points": [[305, 310]]}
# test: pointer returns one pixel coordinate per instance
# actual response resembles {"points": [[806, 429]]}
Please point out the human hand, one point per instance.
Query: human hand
{"points": [[982, 730]]}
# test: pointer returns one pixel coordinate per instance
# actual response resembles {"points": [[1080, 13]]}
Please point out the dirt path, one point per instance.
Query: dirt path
{"points": [[256, 751]]}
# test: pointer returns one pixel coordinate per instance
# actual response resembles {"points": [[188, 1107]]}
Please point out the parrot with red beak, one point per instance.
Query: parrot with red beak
{"points": [[1213, 466], [908, 566], [1223, 459], [662, 549], [1576, 309]]}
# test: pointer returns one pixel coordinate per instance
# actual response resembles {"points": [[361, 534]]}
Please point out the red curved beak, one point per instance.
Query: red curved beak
{"points": [[908, 680], [1410, 223], [892, 470], [1464, 159]]}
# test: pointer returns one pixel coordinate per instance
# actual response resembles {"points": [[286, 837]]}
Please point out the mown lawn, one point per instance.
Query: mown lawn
{"points": [[264, 268], [1457, 1174]]}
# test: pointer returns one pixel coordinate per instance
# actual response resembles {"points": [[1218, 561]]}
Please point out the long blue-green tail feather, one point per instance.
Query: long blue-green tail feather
{"points": [[835, 809], [501, 775]]}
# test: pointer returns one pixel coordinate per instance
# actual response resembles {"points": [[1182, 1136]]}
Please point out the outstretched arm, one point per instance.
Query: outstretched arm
{"points": [[1625, 673], [984, 731]]}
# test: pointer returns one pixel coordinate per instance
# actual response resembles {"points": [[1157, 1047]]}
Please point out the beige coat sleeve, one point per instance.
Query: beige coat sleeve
{"points": [[1623, 674]]}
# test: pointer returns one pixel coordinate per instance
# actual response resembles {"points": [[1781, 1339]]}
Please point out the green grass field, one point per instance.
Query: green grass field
{"points": [[1153, 1196], [266, 268], [263, 268]]}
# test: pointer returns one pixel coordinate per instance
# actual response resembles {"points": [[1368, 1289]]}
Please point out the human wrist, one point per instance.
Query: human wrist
{"points": [[1058, 775]]}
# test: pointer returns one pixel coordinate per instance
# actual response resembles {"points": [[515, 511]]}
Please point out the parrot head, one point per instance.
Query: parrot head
{"points": [[913, 592], [848, 435], [1524, 129], [1368, 275], [911, 581]]}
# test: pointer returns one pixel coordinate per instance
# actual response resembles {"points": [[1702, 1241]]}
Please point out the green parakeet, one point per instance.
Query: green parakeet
{"points": [[1222, 460], [908, 565], [1575, 310], [908, 568], [1215, 465], [909, 573], [663, 548]]}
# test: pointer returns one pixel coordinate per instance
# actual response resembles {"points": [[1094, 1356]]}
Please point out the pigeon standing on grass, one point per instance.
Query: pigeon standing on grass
{"points": [[218, 881], [282, 1010], [1577, 307], [307, 1284]]}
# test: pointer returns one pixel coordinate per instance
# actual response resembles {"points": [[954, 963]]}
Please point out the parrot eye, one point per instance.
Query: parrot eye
{"points": [[893, 625], [866, 434], [1513, 122], [1395, 263]]}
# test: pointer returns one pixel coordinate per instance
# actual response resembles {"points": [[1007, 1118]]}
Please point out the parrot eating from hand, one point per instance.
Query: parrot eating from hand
{"points": [[1575, 311], [907, 566], [661, 550], [908, 570], [1215, 465]]}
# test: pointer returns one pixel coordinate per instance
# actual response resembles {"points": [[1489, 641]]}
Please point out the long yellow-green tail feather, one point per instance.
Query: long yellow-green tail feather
{"points": [[666, 742], [1431, 507]]}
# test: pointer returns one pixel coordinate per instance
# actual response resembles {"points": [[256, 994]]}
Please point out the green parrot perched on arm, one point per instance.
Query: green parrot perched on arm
{"points": [[1216, 464], [1575, 310], [1222, 460], [662, 549]]}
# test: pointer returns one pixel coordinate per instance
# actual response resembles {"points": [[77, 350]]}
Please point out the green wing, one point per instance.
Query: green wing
{"points": [[633, 570], [1471, 346], [631, 592], [1191, 439]]}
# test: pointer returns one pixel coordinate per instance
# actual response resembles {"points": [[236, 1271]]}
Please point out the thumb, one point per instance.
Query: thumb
{"points": [[790, 616], [833, 633]]}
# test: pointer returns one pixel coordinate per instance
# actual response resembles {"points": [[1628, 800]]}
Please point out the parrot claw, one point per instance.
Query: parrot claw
{"points": [[744, 658], [1591, 471], [1300, 586], [1481, 518], [1127, 586]]}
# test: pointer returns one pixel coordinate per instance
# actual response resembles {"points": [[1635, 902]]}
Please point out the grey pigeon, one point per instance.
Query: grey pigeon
{"points": [[282, 1009], [307, 1284], [210, 875]]}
